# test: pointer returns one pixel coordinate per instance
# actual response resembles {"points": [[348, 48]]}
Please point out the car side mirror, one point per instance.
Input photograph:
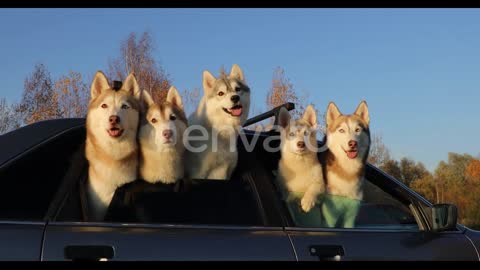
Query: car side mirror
{"points": [[444, 217]]}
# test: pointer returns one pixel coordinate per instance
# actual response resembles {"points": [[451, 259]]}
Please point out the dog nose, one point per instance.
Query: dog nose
{"points": [[235, 98], [300, 144], [167, 133], [352, 144], [114, 119]]}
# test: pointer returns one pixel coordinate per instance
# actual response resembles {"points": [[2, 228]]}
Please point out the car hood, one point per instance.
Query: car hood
{"points": [[474, 236]]}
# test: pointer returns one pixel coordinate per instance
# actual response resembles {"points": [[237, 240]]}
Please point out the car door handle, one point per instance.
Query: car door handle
{"points": [[327, 252], [89, 253]]}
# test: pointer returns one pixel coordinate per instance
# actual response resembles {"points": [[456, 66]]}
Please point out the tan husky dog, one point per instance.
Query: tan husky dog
{"points": [[161, 139], [111, 145], [348, 141]]}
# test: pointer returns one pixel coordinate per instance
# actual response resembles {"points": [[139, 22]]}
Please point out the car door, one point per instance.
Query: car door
{"points": [[160, 242], [214, 220], [390, 225], [32, 167]]}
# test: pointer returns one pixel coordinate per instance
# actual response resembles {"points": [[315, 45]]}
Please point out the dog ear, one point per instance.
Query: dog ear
{"points": [[310, 116], [99, 84], [147, 99], [174, 97], [362, 111], [332, 113], [283, 117], [131, 85], [236, 72], [208, 82]]}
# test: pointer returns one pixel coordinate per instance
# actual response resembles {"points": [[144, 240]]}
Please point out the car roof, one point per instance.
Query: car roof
{"points": [[20, 140], [24, 138]]}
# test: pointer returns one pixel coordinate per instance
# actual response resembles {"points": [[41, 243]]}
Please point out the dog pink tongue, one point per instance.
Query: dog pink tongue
{"points": [[236, 111], [352, 154], [114, 132]]}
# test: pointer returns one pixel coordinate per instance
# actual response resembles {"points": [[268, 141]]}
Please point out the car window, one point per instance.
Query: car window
{"points": [[200, 202], [30, 183], [377, 210], [194, 202]]}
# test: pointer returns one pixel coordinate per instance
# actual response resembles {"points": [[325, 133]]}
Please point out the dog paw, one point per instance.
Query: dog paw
{"points": [[307, 203]]}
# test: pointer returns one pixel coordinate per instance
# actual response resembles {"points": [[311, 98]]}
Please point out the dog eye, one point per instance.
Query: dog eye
{"points": [[237, 89], [221, 93], [357, 130], [125, 106], [341, 130], [154, 120], [104, 106], [291, 134], [173, 117]]}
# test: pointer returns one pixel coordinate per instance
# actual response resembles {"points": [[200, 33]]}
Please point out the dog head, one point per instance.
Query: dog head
{"points": [[348, 136], [298, 136], [227, 97], [164, 124], [113, 115]]}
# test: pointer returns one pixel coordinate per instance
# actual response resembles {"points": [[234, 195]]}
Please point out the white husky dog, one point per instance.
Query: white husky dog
{"points": [[220, 114], [161, 139], [111, 144], [299, 171]]}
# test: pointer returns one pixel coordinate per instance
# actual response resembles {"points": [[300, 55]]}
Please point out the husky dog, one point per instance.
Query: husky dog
{"points": [[111, 146], [348, 141], [220, 114], [161, 139], [299, 171]]}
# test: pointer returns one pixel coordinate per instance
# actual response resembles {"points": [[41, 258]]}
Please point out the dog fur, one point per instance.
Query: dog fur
{"points": [[161, 139], [111, 146], [221, 117], [299, 169], [348, 141]]}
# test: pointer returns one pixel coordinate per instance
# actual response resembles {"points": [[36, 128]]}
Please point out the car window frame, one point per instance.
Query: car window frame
{"points": [[418, 204], [275, 223], [32, 148], [395, 188], [55, 128]]}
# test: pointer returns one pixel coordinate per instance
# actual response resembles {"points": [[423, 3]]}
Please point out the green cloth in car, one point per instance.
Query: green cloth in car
{"points": [[312, 218], [330, 211], [339, 211]]}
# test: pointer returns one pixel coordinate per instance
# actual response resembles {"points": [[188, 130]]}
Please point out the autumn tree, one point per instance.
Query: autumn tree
{"points": [[426, 187], [451, 175], [191, 99], [472, 175], [379, 153], [73, 95], [8, 118], [412, 171], [472, 172], [136, 55], [405, 170], [451, 182], [392, 167], [39, 99], [283, 91]]}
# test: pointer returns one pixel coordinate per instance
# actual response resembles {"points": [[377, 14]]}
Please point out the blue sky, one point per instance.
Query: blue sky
{"points": [[418, 69]]}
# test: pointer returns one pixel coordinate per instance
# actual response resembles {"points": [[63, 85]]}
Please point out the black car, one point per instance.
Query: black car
{"points": [[43, 213]]}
